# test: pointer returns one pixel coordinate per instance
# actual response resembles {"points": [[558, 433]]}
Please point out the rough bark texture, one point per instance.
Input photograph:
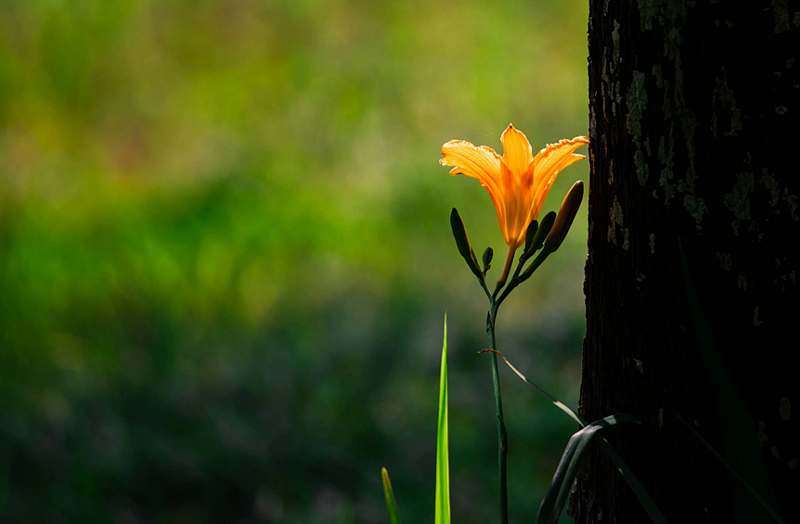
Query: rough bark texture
{"points": [[694, 110]]}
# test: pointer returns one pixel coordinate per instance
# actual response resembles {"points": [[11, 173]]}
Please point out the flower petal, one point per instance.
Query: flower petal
{"points": [[555, 157], [517, 153], [481, 163], [549, 162], [478, 162], [517, 201]]}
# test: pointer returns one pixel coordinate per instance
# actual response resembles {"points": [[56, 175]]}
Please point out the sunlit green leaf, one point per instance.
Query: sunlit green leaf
{"points": [[442, 458]]}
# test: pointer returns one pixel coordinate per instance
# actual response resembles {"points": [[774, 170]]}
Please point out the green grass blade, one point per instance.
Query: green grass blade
{"points": [[557, 493], [391, 503], [633, 481], [442, 453]]}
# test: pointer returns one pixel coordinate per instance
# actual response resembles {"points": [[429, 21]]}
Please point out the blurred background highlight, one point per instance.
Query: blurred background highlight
{"points": [[225, 256]]}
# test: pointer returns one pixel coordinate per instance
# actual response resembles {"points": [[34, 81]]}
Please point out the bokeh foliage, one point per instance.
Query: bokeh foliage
{"points": [[225, 256]]}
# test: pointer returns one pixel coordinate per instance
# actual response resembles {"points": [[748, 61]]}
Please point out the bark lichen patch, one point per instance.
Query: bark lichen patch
{"points": [[668, 159], [671, 15], [780, 9], [791, 202], [667, 106], [673, 11], [778, 195], [615, 214], [639, 160], [738, 200], [742, 283], [724, 260], [688, 125], [648, 10], [762, 432], [615, 40], [771, 184], [606, 81], [785, 409], [696, 207], [725, 96], [637, 103], [659, 77]]}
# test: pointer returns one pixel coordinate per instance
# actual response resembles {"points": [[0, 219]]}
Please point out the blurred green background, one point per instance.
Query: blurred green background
{"points": [[225, 256]]}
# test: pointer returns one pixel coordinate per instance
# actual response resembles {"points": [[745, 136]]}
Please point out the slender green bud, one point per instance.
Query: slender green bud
{"points": [[460, 234], [530, 233], [569, 208], [488, 253], [541, 233]]}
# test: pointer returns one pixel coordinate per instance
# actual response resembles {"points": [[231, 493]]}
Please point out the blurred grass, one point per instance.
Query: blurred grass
{"points": [[225, 254]]}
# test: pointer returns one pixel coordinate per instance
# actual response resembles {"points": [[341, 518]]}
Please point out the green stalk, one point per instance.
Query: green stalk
{"points": [[502, 438], [442, 444]]}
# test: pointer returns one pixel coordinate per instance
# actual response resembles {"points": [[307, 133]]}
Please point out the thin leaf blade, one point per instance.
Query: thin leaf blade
{"points": [[567, 469], [391, 503], [442, 444], [627, 473]]}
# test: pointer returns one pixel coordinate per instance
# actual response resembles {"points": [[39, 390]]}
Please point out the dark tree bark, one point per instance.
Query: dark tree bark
{"points": [[694, 111]]}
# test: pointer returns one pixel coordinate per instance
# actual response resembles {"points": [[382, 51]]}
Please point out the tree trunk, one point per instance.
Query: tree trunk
{"points": [[693, 115]]}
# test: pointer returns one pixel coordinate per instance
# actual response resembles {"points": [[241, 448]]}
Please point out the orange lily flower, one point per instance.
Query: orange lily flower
{"points": [[518, 182]]}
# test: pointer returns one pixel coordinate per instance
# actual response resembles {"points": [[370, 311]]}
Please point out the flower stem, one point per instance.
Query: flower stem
{"points": [[506, 269], [502, 438]]}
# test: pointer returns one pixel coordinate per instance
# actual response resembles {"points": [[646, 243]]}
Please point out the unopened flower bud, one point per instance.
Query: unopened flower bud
{"points": [[460, 234], [542, 231], [569, 208], [488, 253], [530, 233]]}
